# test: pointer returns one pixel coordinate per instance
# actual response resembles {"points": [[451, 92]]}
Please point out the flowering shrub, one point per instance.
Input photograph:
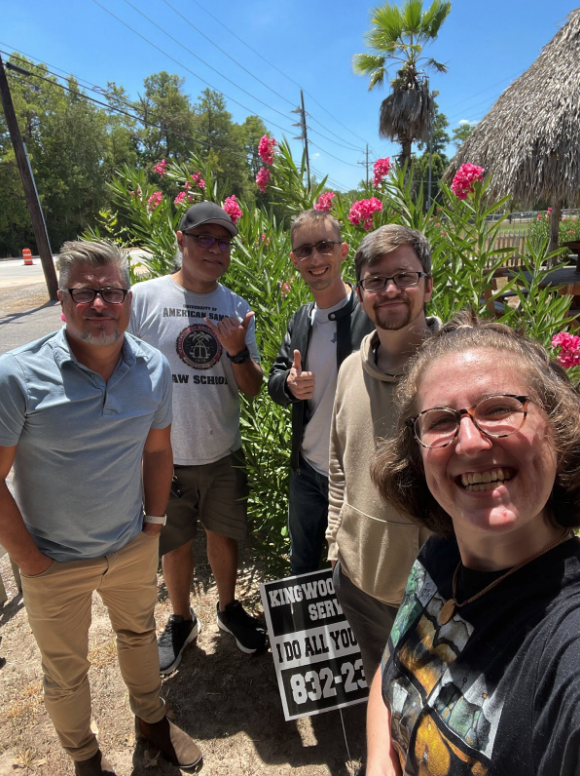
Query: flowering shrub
{"points": [[160, 167], [569, 345], [263, 178], [464, 179], [362, 212], [324, 201], [267, 149], [381, 169], [154, 200], [568, 228], [198, 180], [232, 208]]}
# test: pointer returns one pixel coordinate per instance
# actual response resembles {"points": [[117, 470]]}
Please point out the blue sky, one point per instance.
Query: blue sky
{"points": [[302, 43]]}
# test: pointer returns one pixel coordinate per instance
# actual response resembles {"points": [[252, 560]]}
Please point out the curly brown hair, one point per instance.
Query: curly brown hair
{"points": [[397, 467]]}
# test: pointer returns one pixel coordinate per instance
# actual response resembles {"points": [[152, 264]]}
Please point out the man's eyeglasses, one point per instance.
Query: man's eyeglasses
{"points": [[401, 280], [495, 416], [108, 295], [206, 241], [322, 246]]}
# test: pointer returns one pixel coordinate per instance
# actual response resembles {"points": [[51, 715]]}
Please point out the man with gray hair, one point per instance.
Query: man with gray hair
{"points": [[84, 411], [371, 547], [320, 336]]}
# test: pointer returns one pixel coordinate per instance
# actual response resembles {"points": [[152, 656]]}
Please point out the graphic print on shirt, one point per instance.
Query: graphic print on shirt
{"points": [[198, 347], [444, 715]]}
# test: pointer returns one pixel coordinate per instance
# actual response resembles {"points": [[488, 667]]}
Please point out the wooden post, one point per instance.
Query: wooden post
{"points": [[30, 193]]}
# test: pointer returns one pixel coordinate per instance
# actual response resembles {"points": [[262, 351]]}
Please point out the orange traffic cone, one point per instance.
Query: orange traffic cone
{"points": [[27, 256]]}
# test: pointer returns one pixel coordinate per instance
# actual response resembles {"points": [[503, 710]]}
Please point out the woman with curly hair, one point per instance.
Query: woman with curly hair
{"points": [[481, 672]]}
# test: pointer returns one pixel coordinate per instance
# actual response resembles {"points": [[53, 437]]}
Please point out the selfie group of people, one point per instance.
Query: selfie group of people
{"points": [[436, 466]]}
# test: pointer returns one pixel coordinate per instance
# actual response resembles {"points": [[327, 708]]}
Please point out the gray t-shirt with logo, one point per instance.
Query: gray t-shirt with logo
{"points": [[206, 404]]}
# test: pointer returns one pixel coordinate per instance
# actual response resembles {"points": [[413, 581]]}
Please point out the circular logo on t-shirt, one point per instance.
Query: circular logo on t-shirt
{"points": [[198, 347]]}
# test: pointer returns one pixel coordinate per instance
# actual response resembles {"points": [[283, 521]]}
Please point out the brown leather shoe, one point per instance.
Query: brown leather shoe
{"points": [[97, 765], [174, 744]]}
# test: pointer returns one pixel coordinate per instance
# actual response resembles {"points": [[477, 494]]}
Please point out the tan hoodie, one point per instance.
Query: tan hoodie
{"points": [[376, 546]]}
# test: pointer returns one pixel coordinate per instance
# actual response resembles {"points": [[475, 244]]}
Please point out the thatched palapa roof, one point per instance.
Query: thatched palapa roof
{"points": [[530, 140]]}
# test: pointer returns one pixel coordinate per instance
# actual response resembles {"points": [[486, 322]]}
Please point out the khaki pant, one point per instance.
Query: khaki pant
{"points": [[58, 603]]}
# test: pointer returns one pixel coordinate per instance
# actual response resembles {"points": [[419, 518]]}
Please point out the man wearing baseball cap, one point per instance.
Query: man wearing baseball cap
{"points": [[208, 335]]}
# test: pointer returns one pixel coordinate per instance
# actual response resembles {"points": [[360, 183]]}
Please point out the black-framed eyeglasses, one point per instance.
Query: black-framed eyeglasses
{"points": [[495, 416], [108, 295], [207, 241], [322, 246], [401, 280]]}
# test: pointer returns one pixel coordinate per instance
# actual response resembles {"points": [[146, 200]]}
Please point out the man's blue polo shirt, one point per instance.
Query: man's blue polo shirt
{"points": [[77, 471]]}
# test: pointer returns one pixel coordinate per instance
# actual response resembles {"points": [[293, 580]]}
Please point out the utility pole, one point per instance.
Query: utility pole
{"points": [[304, 134], [366, 163], [30, 193]]}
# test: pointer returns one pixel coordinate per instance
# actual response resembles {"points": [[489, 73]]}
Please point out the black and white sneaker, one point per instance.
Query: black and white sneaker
{"points": [[178, 633], [249, 632]]}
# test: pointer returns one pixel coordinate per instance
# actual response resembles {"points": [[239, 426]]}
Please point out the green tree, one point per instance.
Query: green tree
{"points": [[169, 116], [461, 133], [226, 143], [400, 35]]}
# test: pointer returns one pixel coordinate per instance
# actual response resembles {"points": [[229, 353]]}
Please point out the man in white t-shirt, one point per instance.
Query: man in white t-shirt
{"points": [[207, 333], [320, 336]]}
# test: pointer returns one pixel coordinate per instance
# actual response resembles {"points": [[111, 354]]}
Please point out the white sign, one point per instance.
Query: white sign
{"points": [[317, 658]]}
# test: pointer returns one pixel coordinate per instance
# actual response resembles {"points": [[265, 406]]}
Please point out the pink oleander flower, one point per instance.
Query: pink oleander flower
{"points": [[381, 169], [267, 149], [569, 345], [539, 216], [464, 179], [154, 200], [549, 211], [361, 212], [324, 201], [136, 193], [232, 208], [265, 239], [180, 199], [198, 180], [161, 167], [285, 286], [263, 178]]}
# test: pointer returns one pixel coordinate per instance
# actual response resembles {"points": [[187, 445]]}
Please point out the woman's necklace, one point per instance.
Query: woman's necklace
{"points": [[452, 604]]}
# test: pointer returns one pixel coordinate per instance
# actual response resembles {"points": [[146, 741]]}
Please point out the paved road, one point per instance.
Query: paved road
{"points": [[13, 272]]}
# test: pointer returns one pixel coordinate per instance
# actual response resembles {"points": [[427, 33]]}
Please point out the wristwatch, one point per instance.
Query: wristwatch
{"points": [[155, 519], [240, 357]]}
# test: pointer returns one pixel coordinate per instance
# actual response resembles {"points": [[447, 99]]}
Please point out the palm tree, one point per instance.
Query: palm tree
{"points": [[400, 35]]}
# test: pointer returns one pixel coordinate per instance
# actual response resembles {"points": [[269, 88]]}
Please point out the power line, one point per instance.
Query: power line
{"points": [[99, 90], [140, 119], [332, 155], [241, 88], [239, 64], [180, 64], [267, 61], [193, 54]]}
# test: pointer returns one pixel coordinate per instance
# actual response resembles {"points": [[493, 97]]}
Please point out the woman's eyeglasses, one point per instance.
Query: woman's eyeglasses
{"points": [[495, 416]]}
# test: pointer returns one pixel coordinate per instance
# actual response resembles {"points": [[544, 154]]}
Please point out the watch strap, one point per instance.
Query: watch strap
{"points": [[155, 519], [240, 357]]}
